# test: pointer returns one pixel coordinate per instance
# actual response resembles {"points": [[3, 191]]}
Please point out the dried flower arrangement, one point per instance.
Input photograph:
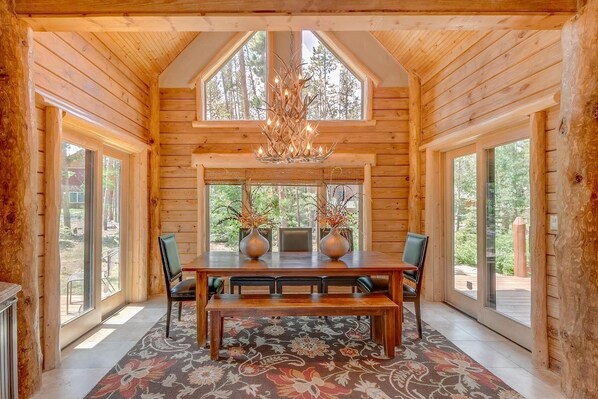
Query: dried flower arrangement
{"points": [[247, 213], [334, 212]]}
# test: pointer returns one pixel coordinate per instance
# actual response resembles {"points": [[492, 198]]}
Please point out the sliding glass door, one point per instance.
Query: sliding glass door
{"points": [[487, 217], [461, 209], [91, 235]]}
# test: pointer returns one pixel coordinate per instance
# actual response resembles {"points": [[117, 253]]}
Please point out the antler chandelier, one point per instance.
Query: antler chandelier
{"points": [[288, 134]]}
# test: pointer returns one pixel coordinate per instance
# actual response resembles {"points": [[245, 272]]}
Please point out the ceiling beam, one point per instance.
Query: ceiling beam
{"points": [[276, 15]]}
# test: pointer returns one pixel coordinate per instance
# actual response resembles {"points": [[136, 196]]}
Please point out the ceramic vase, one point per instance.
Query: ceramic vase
{"points": [[254, 244], [334, 245]]}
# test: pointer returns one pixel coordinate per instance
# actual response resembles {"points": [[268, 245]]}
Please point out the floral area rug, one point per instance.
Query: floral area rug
{"points": [[298, 358]]}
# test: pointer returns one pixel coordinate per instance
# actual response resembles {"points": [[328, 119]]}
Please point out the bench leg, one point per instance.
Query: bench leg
{"points": [[215, 334], [389, 333], [377, 329]]}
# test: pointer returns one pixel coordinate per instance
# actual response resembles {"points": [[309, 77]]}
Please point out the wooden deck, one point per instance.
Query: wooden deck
{"points": [[513, 294]]}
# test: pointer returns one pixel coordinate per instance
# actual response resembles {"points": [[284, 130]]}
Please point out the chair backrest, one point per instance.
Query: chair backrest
{"points": [[294, 239], [265, 232], [414, 253], [345, 232], [171, 262]]}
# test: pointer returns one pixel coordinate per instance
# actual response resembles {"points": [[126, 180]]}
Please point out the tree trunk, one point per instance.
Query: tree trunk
{"points": [[577, 242], [66, 199], [243, 82], [18, 213]]}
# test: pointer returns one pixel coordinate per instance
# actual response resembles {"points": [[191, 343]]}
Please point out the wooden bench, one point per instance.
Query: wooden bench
{"points": [[228, 305]]}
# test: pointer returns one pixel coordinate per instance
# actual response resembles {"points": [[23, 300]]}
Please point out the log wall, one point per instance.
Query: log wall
{"points": [[489, 80], [496, 75], [388, 139], [81, 73]]}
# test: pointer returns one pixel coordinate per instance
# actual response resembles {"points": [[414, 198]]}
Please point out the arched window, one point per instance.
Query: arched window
{"points": [[237, 91], [338, 92]]}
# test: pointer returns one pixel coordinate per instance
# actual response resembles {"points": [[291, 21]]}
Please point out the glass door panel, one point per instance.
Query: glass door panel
{"points": [[76, 232], [464, 226], [508, 275], [111, 226]]}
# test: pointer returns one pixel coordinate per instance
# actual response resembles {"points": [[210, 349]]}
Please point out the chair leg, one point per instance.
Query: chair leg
{"points": [[180, 310], [418, 317], [221, 330], [272, 287], [231, 289], [168, 318]]}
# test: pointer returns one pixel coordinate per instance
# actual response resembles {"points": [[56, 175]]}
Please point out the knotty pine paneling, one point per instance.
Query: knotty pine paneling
{"points": [[498, 73], [88, 77], [388, 139]]}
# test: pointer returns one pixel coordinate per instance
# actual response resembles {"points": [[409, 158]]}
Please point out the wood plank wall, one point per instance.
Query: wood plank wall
{"points": [[489, 79], [80, 71], [495, 75], [388, 139]]}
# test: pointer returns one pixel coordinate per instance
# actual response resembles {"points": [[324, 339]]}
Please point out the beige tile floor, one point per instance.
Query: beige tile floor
{"points": [[86, 361]]}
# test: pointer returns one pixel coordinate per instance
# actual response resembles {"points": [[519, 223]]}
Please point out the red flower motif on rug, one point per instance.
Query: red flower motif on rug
{"points": [[135, 374], [307, 384]]}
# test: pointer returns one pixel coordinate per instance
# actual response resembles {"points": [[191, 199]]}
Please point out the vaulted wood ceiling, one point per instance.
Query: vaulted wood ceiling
{"points": [[147, 53], [421, 52]]}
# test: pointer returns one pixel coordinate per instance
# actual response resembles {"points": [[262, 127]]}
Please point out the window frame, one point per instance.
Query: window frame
{"points": [[321, 186], [367, 77]]}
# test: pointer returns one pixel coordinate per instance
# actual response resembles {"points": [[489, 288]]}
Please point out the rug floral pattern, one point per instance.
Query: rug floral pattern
{"points": [[297, 358]]}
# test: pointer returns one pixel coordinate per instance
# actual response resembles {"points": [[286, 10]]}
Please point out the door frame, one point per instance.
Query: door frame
{"points": [[515, 331], [76, 327], [117, 300], [465, 303]]}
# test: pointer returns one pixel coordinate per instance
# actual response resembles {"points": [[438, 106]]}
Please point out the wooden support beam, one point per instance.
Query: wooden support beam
{"points": [[576, 245], [367, 207], [415, 128], [201, 210], [273, 15], [434, 228], [18, 174], [538, 239], [53, 172], [156, 282]]}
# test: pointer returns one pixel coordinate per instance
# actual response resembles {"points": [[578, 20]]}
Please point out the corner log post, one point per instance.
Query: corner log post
{"points": [[415, 128], [577, 242], [18, 209], [156, 282]]}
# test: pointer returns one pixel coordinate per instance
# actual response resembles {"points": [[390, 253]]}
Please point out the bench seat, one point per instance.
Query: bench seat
{"points": [[227, 305]]}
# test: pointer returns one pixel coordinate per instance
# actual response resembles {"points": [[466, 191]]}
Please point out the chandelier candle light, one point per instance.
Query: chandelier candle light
{"points": [[288, 133]]}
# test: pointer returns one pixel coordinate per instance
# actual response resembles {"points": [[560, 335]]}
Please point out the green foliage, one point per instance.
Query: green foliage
{"points": [[238, 90], [508, 198], [336, 90]]}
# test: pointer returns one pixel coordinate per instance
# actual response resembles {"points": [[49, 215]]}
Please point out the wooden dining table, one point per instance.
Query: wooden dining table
{"points": [[356, 263]]}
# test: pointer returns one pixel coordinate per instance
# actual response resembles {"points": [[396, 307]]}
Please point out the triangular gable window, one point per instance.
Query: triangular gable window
{"points": [[237, 91], [339, 93]]}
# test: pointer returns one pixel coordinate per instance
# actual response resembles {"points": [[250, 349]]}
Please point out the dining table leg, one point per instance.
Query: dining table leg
{"points": [[201, 299], [396, 294]]}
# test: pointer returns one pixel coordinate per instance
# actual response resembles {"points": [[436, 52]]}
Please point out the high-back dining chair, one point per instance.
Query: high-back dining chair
{"points": [[184, 289], [414, 253], [339, 281], [253, 281], [296, 239]]}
